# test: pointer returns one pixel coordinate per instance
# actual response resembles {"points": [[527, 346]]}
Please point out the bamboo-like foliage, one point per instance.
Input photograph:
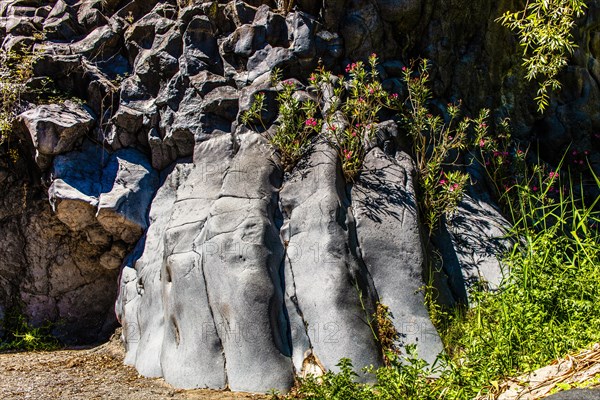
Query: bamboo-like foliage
{"points": [[545, 31]]}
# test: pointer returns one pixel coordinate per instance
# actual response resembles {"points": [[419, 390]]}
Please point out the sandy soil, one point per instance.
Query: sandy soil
{"points": [[96, 373]]}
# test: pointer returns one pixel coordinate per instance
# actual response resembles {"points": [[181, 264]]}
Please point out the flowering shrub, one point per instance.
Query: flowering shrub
{"points": [[578, 160], [350, 110], [503, 161], [297, 121], [437, 146], [363, 98]]}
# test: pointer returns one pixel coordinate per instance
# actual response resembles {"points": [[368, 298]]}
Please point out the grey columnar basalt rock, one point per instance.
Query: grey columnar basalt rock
{"points": [[469, 245], [128, 186], [324, 280], [92, 188], [576, 394], [222, 256], [236, 263], [296, 296], [390, 244]]}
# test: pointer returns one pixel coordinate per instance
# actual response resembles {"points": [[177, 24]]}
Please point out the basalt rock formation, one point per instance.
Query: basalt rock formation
{"points": [[144, 189]]}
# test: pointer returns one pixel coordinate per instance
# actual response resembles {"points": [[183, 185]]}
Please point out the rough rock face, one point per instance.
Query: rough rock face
{"points": [[287, 289], [55, 128], [150, 192], [49, 272]]}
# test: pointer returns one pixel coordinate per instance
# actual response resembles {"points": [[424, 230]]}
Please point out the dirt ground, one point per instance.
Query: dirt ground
{"points": [[96, 373], [99, 373]]}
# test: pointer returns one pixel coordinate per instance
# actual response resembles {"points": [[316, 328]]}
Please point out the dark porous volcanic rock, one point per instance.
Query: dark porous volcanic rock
{"points": [[55, 128], [50, 273]]}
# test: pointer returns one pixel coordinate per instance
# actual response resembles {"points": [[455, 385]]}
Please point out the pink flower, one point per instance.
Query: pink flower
{"points": [[394, 95], [442, 181], [553, 175], [534, 188], [351, 67], [373, 55], [403, 69], [312, 78], [311, 122], [481, 143]]}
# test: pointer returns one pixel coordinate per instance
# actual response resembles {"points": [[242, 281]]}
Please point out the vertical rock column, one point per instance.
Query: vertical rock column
{"points": [[205, 299], [321, 273], [390, 243], [241, 257]]}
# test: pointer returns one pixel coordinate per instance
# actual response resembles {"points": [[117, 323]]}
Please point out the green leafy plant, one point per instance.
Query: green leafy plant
{"points": [[382, 328], [547, 307], [352, 115], [437, 146], [129, 18], [253, 115], [276, 74], [21, 335], [297, 122], [544, 28], [387, 335], [342, 385], [15, 70]]}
